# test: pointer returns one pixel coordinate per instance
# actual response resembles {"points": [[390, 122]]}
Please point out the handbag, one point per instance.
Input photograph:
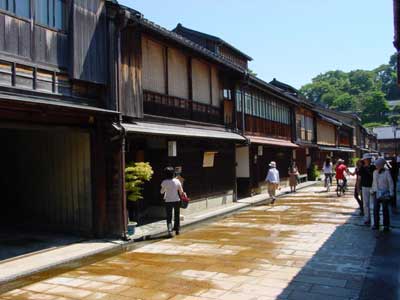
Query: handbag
{"points": [[184, 201], [384, 196]]}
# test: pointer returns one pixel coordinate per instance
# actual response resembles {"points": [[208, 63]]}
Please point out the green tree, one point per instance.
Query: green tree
{"points": [[343, 102], [362, 91], [396, 109], [387, 75], [375, 107], [394, 119], [361, 82]]}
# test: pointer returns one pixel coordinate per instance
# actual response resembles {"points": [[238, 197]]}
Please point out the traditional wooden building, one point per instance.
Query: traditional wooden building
{"points": [[373, 145], [266, 117], [178, 110], [388, 140], [334, 139], [61, 166], [305, 125]]}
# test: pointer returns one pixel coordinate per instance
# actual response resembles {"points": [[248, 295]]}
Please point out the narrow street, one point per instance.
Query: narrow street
{"points": [[309, 245]]}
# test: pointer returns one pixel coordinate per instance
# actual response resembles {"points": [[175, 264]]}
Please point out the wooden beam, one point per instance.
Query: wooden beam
{"points": [[190, 85]]}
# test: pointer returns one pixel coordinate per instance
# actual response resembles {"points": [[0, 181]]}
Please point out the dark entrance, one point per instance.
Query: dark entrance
{"points": [[199, 182], [45, 181], [282, 156]]}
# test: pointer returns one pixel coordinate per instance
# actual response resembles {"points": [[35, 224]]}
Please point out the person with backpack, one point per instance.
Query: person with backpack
{"points": [[172, 190]]}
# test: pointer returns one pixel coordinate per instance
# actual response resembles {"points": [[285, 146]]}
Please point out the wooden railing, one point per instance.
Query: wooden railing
{"points": [[262, 127], [174, 107]]}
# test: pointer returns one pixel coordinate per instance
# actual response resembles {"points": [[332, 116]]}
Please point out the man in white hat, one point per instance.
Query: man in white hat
{"points": [[272, 180], [366, 177]]}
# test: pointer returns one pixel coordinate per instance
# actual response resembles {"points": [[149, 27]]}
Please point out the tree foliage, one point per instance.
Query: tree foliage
{"points": [[362, 91]]}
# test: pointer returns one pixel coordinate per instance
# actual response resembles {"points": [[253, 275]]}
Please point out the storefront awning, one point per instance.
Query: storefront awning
{"points": [[181, 130], [271, 141], [345, 149], [306, 145], [336, 149]]}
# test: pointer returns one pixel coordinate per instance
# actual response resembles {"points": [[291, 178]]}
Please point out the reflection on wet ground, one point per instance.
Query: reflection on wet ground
{"points": [[309, 245]]}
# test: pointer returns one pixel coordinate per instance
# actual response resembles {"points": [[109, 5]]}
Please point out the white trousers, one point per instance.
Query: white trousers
{"points": [[367, 201]]}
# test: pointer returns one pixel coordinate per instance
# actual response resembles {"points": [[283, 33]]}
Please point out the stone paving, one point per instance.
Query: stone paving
{"points": [[309, 245]]}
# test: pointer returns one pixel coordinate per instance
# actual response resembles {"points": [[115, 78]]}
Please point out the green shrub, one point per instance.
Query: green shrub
{"points": [[136, 174], [314, 173], [374, 124]]}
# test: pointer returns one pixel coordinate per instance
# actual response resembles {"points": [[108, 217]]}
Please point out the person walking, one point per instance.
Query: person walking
{"points": [[293, 175], [357, 187], [394, 172], [382, 191], [327, 168], [272, 180], [172, 189], [366, 177]]}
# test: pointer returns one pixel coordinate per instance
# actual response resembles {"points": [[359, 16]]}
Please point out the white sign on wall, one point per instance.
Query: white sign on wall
{"points": [[260, 150], [172, 151]]}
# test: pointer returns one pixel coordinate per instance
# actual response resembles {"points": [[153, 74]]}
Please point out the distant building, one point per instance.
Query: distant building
{"points": [[388, 138], [393, 103]]}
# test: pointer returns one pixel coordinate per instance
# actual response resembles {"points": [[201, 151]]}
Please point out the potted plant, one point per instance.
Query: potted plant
{"points": [[136, 174]]}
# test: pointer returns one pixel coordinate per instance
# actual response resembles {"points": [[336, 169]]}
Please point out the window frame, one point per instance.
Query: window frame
{"points": [[239, 100], [52, 24], [13, 11]]}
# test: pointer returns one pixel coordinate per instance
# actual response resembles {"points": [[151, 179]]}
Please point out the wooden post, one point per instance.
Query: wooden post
{"points": [[234, 109], [190, 86], [99, 181], [242, 94]]}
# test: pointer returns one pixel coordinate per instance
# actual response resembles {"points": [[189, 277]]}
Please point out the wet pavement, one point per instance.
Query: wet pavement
{"points": [[310, 245]]}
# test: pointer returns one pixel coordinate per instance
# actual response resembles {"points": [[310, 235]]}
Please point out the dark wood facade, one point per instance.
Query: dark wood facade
{"points": [[166, 82], [263, 114], [57, 107]]}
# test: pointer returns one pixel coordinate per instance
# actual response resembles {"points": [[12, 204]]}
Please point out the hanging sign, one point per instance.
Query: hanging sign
{"points": [[208, 159]]}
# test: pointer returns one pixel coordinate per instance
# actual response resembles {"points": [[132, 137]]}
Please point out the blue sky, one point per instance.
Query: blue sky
{"points": [[292, 40]]}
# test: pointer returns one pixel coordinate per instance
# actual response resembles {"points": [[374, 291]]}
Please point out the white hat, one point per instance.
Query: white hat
{"points": [[272, 164], [367, 156]]}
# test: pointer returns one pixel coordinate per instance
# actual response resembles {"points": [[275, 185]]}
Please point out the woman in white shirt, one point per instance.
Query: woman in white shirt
{"points": [[327, 168], [383, 191], [272, 180], [171, 188]]}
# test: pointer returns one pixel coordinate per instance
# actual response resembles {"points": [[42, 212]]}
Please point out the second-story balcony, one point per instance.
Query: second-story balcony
{"points": [[174, 107]]}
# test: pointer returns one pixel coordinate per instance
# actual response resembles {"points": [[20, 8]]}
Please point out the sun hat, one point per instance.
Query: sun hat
{"points": [[367, 156], [272, 164]]}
